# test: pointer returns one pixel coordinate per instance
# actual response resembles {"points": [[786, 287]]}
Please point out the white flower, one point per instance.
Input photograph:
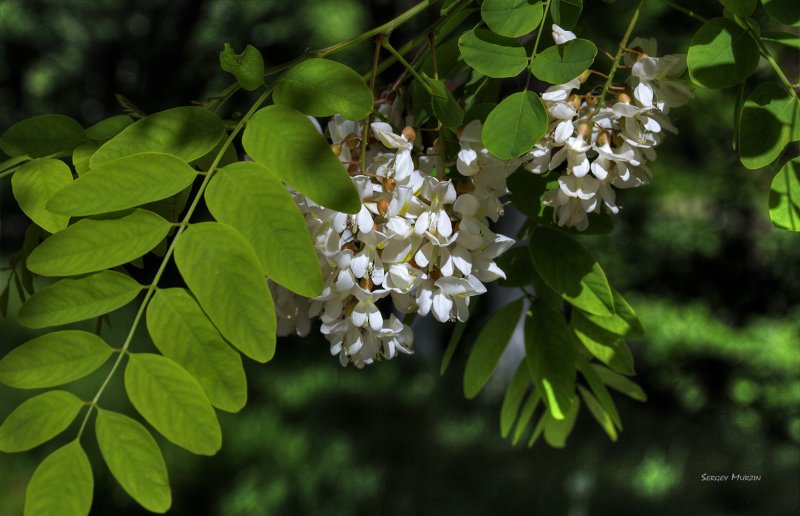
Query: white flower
{"points": [[561, 36]]}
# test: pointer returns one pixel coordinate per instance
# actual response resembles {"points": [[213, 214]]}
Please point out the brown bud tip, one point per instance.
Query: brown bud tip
{"points": [[336, 149], [366, 283], [383, 207], [436, 274], [409, 133], [642, 56], [348, 307], [574, 101], [584, 129], [389, 185], [465, 186], [603, 138], [584, 76], [351, 141], [624, 98]]}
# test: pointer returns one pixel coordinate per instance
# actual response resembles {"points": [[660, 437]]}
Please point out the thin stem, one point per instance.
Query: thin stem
{"points": [[771, 60], [365, 129], [387, 27], [388, 46], [151, 289], [684, 10], [618, 56], [536, 44]]}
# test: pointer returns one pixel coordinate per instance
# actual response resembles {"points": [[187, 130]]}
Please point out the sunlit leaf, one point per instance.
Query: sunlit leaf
{"points": [[721, 54], [42, 135], [91, 245], [37, 420], [124, 183], [606, 346], [284, 141], [321, 87], [53, 359], [551, 352], [248, 197], [599, 413], [34, 183], [108, 128], [135, 460], [619, 383], [247, 67], [769, 121], [71, 300], [784, 197], [173, 402], [181, 331], [62, 484], [491, 54], [185, 132], [223, 272], [512, 18], [445, 106], [556, 430]]}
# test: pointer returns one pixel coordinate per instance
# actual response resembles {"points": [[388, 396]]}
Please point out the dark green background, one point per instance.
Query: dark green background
{"points": [[715, 284]]}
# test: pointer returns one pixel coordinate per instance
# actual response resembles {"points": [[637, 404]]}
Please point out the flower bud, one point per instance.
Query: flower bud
{"points": [[383, 207], [366, 283], [464, 186], [574, 100], [584, 129], [603, 138], [409, 134], [389, 184], [336, 148], [584, 76], [350, 305], [436, 274], [624, 98]]}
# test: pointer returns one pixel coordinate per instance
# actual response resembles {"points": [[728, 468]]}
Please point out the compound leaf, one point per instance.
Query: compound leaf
{"points": [[62, 485], [37, 420], [34, 183]]}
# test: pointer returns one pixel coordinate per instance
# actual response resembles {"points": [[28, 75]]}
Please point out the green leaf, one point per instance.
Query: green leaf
{"points": [[512, 18], [43, 135], [287, 143], [490, 344], [769, 121], [721, 54], [784, 197], [173, 402], [551, 353], [624, 322], [34, 183], [619, 383], [785, 11], [124, 183], [81, 156], [91, 245], [513, 398], [599, 413], [223, 272], [135, 460], [516, 263], [248, 197], [108, 128], [321, 87], [62, 485], [556, 431], [182, 332], [607, 347], [740, 8], [784, 38], [599, 390], [185, 132], [452, 344], [247, 67], [561, 63], [53, 359], [37, 420], [525, 416], [445, 106], [492, 55], [566, 12], [515, 125], [568, 268], [72, 300]]}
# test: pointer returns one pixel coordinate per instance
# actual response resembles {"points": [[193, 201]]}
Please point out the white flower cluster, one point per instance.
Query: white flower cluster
{"points": [[606, 146], [421, 241]]}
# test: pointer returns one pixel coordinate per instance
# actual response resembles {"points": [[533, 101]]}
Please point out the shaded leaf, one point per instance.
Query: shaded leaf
{"points": [[784, 197], [607, 347], [740, 8], [566, 12], [769, 121], [619, 383], [42, 135], [108, 128], [785, 11], [513, 397], [599, 413], [556, 431], [515, 125], [721, 54], [247, 67], [491, 54]]}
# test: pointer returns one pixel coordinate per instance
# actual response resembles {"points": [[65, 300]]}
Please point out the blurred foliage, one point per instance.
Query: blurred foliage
{"points": [[715, 284]]}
